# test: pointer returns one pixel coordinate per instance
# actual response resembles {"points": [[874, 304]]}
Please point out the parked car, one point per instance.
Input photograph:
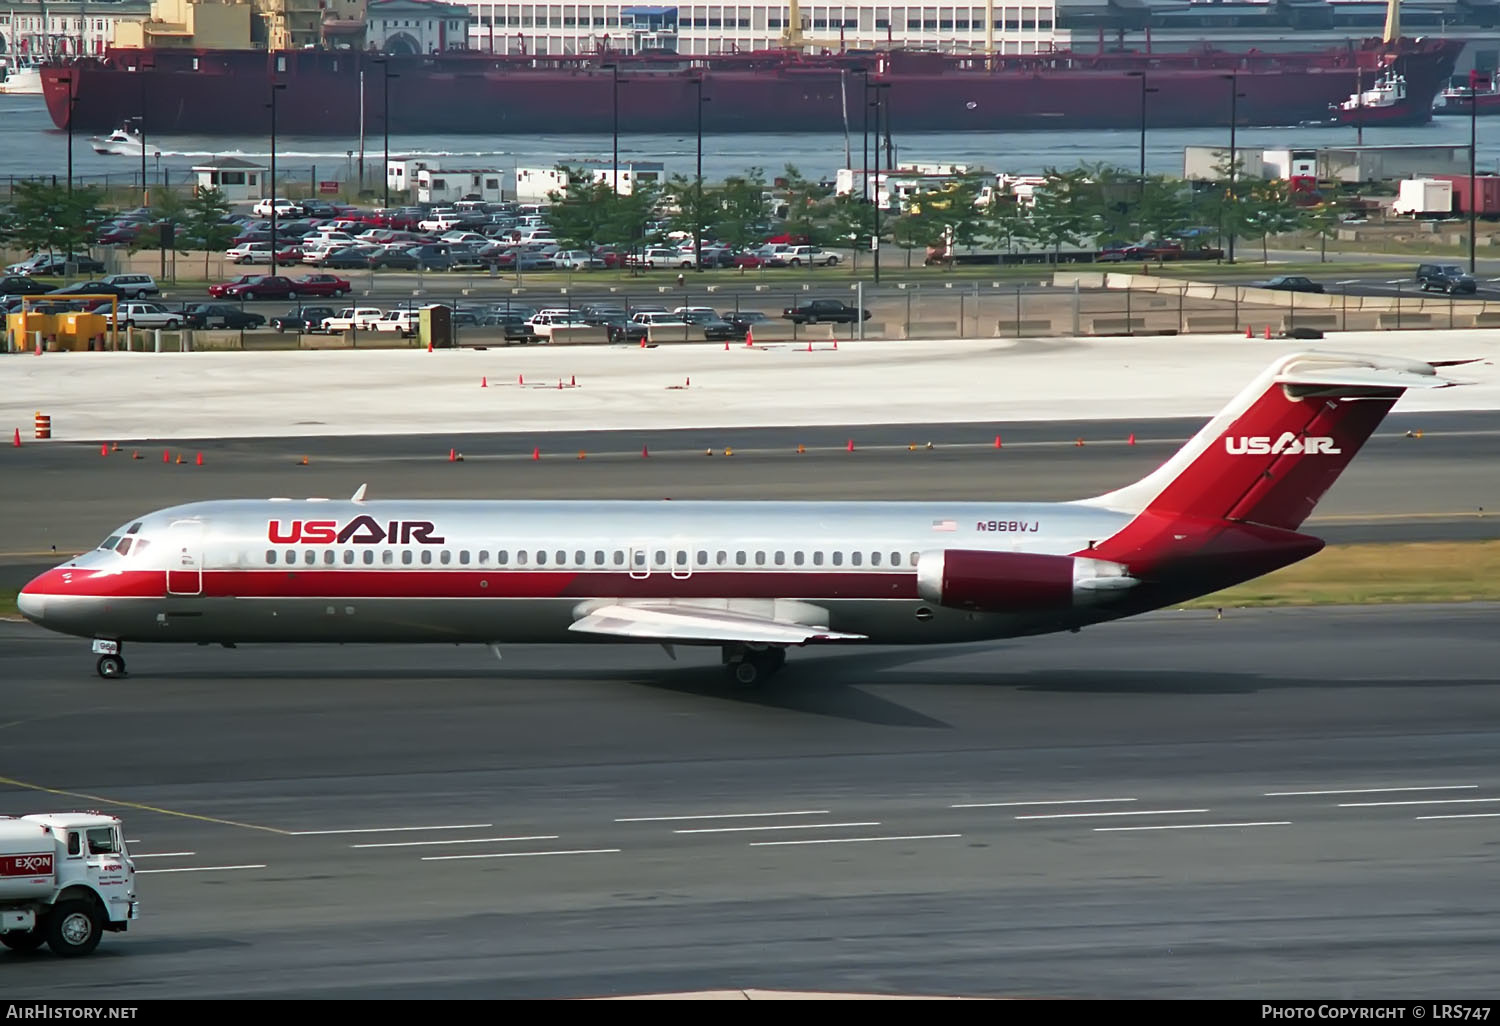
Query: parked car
{"points": [[828, 310], [220, 315], [306, 319], [621, 328], [1449, 278], [577, 260], [660, 256], [88, 288], [134, 286], [147, 315], [20, 285], [349, 258], [220, 289], [403, 323], [715, 328], [360, 317], [261, 286], [319, 285], [797, 256], [1289, 283], [283, 207], [743, 320], [44, 264], [250, 253]]}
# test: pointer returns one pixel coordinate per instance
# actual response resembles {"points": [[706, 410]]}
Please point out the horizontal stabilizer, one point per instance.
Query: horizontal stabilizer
{"points": [[687, 624]]}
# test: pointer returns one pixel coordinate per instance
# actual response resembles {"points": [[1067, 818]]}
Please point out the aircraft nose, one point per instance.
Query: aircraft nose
{"points": [[32, 605]]}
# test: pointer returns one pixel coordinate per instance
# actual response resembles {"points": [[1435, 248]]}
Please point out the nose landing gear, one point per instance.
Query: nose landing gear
{"points": [[751, 666], [111, 662]]}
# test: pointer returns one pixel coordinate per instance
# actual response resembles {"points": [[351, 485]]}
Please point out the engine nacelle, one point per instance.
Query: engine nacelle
{"points": [[1014, 582]]}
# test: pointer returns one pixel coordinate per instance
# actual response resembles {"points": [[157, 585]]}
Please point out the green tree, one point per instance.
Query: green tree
{"points": [[580, 215], [742, 215], [48, 218], [166, 230], [694, 209], [1062, 214], [916, 227], [1323, 222], [851, 222], [1268, 210], [206, 223], [808, 206], [1165, 208], [1006, 221]]}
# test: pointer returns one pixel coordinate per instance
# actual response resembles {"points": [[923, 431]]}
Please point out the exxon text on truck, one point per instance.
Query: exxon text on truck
{"points": [[65, 879]]}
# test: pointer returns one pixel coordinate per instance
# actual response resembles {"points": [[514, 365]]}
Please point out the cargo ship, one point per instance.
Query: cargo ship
{"points": [[368, 82]]}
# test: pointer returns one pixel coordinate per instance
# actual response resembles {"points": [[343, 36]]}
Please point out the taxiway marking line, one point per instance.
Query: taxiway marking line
{"points": [[457, 840], [1193, 826], [199, 869], [722, 815], [852, 840], [23, 785], [1425, 801], [165, 855], [1050, 801], [1373, 790], [388, 830], [779, 826], [1131, 812], [1464, 815], [519, 854]]}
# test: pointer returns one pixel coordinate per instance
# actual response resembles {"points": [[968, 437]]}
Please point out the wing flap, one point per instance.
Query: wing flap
{"points": [[707, 625]]}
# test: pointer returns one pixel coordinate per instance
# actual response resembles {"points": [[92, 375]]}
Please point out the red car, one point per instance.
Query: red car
{"points": [[319, 285], [789, 240], [222, 289], [261, 286]]}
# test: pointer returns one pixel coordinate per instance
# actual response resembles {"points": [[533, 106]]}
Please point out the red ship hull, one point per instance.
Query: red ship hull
{"points": [[216, 92]]}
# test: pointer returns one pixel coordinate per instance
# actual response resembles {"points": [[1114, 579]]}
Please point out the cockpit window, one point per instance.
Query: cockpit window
{"points": [[135, 528], [111, 542], [124, 546]]}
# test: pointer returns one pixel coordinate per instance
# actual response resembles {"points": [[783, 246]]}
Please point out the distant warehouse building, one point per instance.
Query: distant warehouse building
{"points": [[1351, 164]]}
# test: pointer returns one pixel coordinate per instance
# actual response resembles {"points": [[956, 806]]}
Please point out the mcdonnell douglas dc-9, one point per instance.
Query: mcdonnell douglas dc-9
{"points": [[753, 578]]}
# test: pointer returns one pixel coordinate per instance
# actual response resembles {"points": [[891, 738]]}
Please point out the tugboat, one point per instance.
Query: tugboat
{"points": [[124, 141], [1481, 96], [1385, 103]]}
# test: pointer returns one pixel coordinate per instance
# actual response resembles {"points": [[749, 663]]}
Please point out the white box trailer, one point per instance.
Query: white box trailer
{"points": [[1424, 197], [65, 879]]}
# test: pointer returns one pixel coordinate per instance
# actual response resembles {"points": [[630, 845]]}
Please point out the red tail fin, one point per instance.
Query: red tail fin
{"points": [[1280, 444]]}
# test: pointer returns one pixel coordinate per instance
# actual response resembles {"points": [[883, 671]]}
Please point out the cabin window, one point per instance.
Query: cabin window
{"points": [[760, 559], [387, 557], [309, 557], [520, 557], [349, 557], [271, 556], [721, 557], [780, 559], [502, 557], [579, 558], [291, 557], [914, 558], [856, 558], [562, 558], [598, 557], [682, 557], [426, 557], [483, 556], [739, 558], [445, 557], [406, 557], [541, 558], [463, 557], [838, 559], [874, 559], [328, 557], [661, 558], [797, 557], [703, 557], [895, 559], [818, 558], [619, 557]]}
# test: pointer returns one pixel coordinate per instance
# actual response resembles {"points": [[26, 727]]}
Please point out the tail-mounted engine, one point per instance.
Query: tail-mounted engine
{"points": [[1006, 582]]}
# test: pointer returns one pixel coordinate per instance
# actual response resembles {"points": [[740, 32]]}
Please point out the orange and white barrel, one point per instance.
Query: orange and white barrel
{"points": [[43, 426]]}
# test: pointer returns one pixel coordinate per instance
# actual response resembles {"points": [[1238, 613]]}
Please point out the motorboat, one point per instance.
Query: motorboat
{"points": [[20, 76], [124, 141]]}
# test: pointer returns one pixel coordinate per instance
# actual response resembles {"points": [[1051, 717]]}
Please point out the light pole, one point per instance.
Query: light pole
{"points": [[141, 70], [72, 100], [1234, 95], [1144, 90], [614, 171], [698, 186], [276, 87], [385, 123], [1474, 82], [879, 88]]}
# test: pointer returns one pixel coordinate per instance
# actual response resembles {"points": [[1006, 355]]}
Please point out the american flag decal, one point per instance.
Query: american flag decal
{"points": [[944, 525]]}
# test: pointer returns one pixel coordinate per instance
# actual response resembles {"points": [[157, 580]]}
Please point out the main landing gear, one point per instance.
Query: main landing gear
{"points": [[750, 665], [111, 662]]}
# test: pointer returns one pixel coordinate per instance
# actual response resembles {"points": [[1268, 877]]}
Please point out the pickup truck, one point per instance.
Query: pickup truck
{"points": [[361, 318], [828, 310]]}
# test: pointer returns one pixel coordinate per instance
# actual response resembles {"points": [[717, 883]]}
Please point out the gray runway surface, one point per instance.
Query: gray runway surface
{"points": [[1174, 806], [1439, 486]]}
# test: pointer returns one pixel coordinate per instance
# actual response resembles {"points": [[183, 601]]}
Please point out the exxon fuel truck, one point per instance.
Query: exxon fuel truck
{"points": [[65, 878]]}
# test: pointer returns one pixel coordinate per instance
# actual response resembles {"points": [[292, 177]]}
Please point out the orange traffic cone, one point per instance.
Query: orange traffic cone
{"points": [[103, 450], [484, 382], [572, 380], [536, 453], [16, 439], [1248, 332], [166, 457], [520, 379], [1268, 331], [452, 456], [997, 441], [726, 345], [1079, 442], [180, 460], [135, 454], [801, 448], [749, 337], [199, 460], [1131, 439], [644, 453], [687, 382], [850, 446], [809, 345], [429, 347], [835, 345]]}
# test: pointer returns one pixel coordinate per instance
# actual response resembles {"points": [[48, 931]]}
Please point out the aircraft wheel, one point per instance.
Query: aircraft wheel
{"points": [[110, 667]]}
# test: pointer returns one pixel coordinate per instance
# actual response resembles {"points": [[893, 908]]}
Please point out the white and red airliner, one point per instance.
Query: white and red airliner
{"points": [[753, 578]]}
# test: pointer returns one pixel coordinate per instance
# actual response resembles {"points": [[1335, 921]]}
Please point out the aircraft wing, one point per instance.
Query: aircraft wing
{"points": [[669, 622]]}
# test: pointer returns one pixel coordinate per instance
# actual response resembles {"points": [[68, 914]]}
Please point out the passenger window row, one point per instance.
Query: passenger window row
{"points": [[639, 560]]}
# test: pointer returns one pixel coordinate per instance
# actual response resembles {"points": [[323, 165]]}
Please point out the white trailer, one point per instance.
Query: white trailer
{"points": [[65, 879], [1421, 197]]}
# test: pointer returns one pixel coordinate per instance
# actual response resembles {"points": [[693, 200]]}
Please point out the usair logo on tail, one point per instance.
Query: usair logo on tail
{"points": [[1288, 444]]}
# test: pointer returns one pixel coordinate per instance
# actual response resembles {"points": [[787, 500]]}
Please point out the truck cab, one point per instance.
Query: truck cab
{"points": [[66, 878]]}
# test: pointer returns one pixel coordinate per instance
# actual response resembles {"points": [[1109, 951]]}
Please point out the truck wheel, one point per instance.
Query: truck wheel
{"points": [[73, 928], [24, 940]]}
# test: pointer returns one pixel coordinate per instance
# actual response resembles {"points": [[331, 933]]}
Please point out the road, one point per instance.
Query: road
{"points": [[1435, 487], [1295, 803]]}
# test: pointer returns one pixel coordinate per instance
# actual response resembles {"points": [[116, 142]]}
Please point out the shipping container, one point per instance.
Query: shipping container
{"points": [[1485, 189]]}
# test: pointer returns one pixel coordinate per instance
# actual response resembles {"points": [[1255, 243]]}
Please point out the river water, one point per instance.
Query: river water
{"points": [[30, 146]]}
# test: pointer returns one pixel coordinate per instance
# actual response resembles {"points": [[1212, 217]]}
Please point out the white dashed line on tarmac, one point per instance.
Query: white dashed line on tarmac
{"points": [[1464, 815], [165, 855], [852, 840], [519, 854], [199, 869], [1374, 790], [721, 815], [390, 830], [1041, 801], [457, 840], [1132, 812], [779, 826], [1425, 801], [1192, 826]]}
